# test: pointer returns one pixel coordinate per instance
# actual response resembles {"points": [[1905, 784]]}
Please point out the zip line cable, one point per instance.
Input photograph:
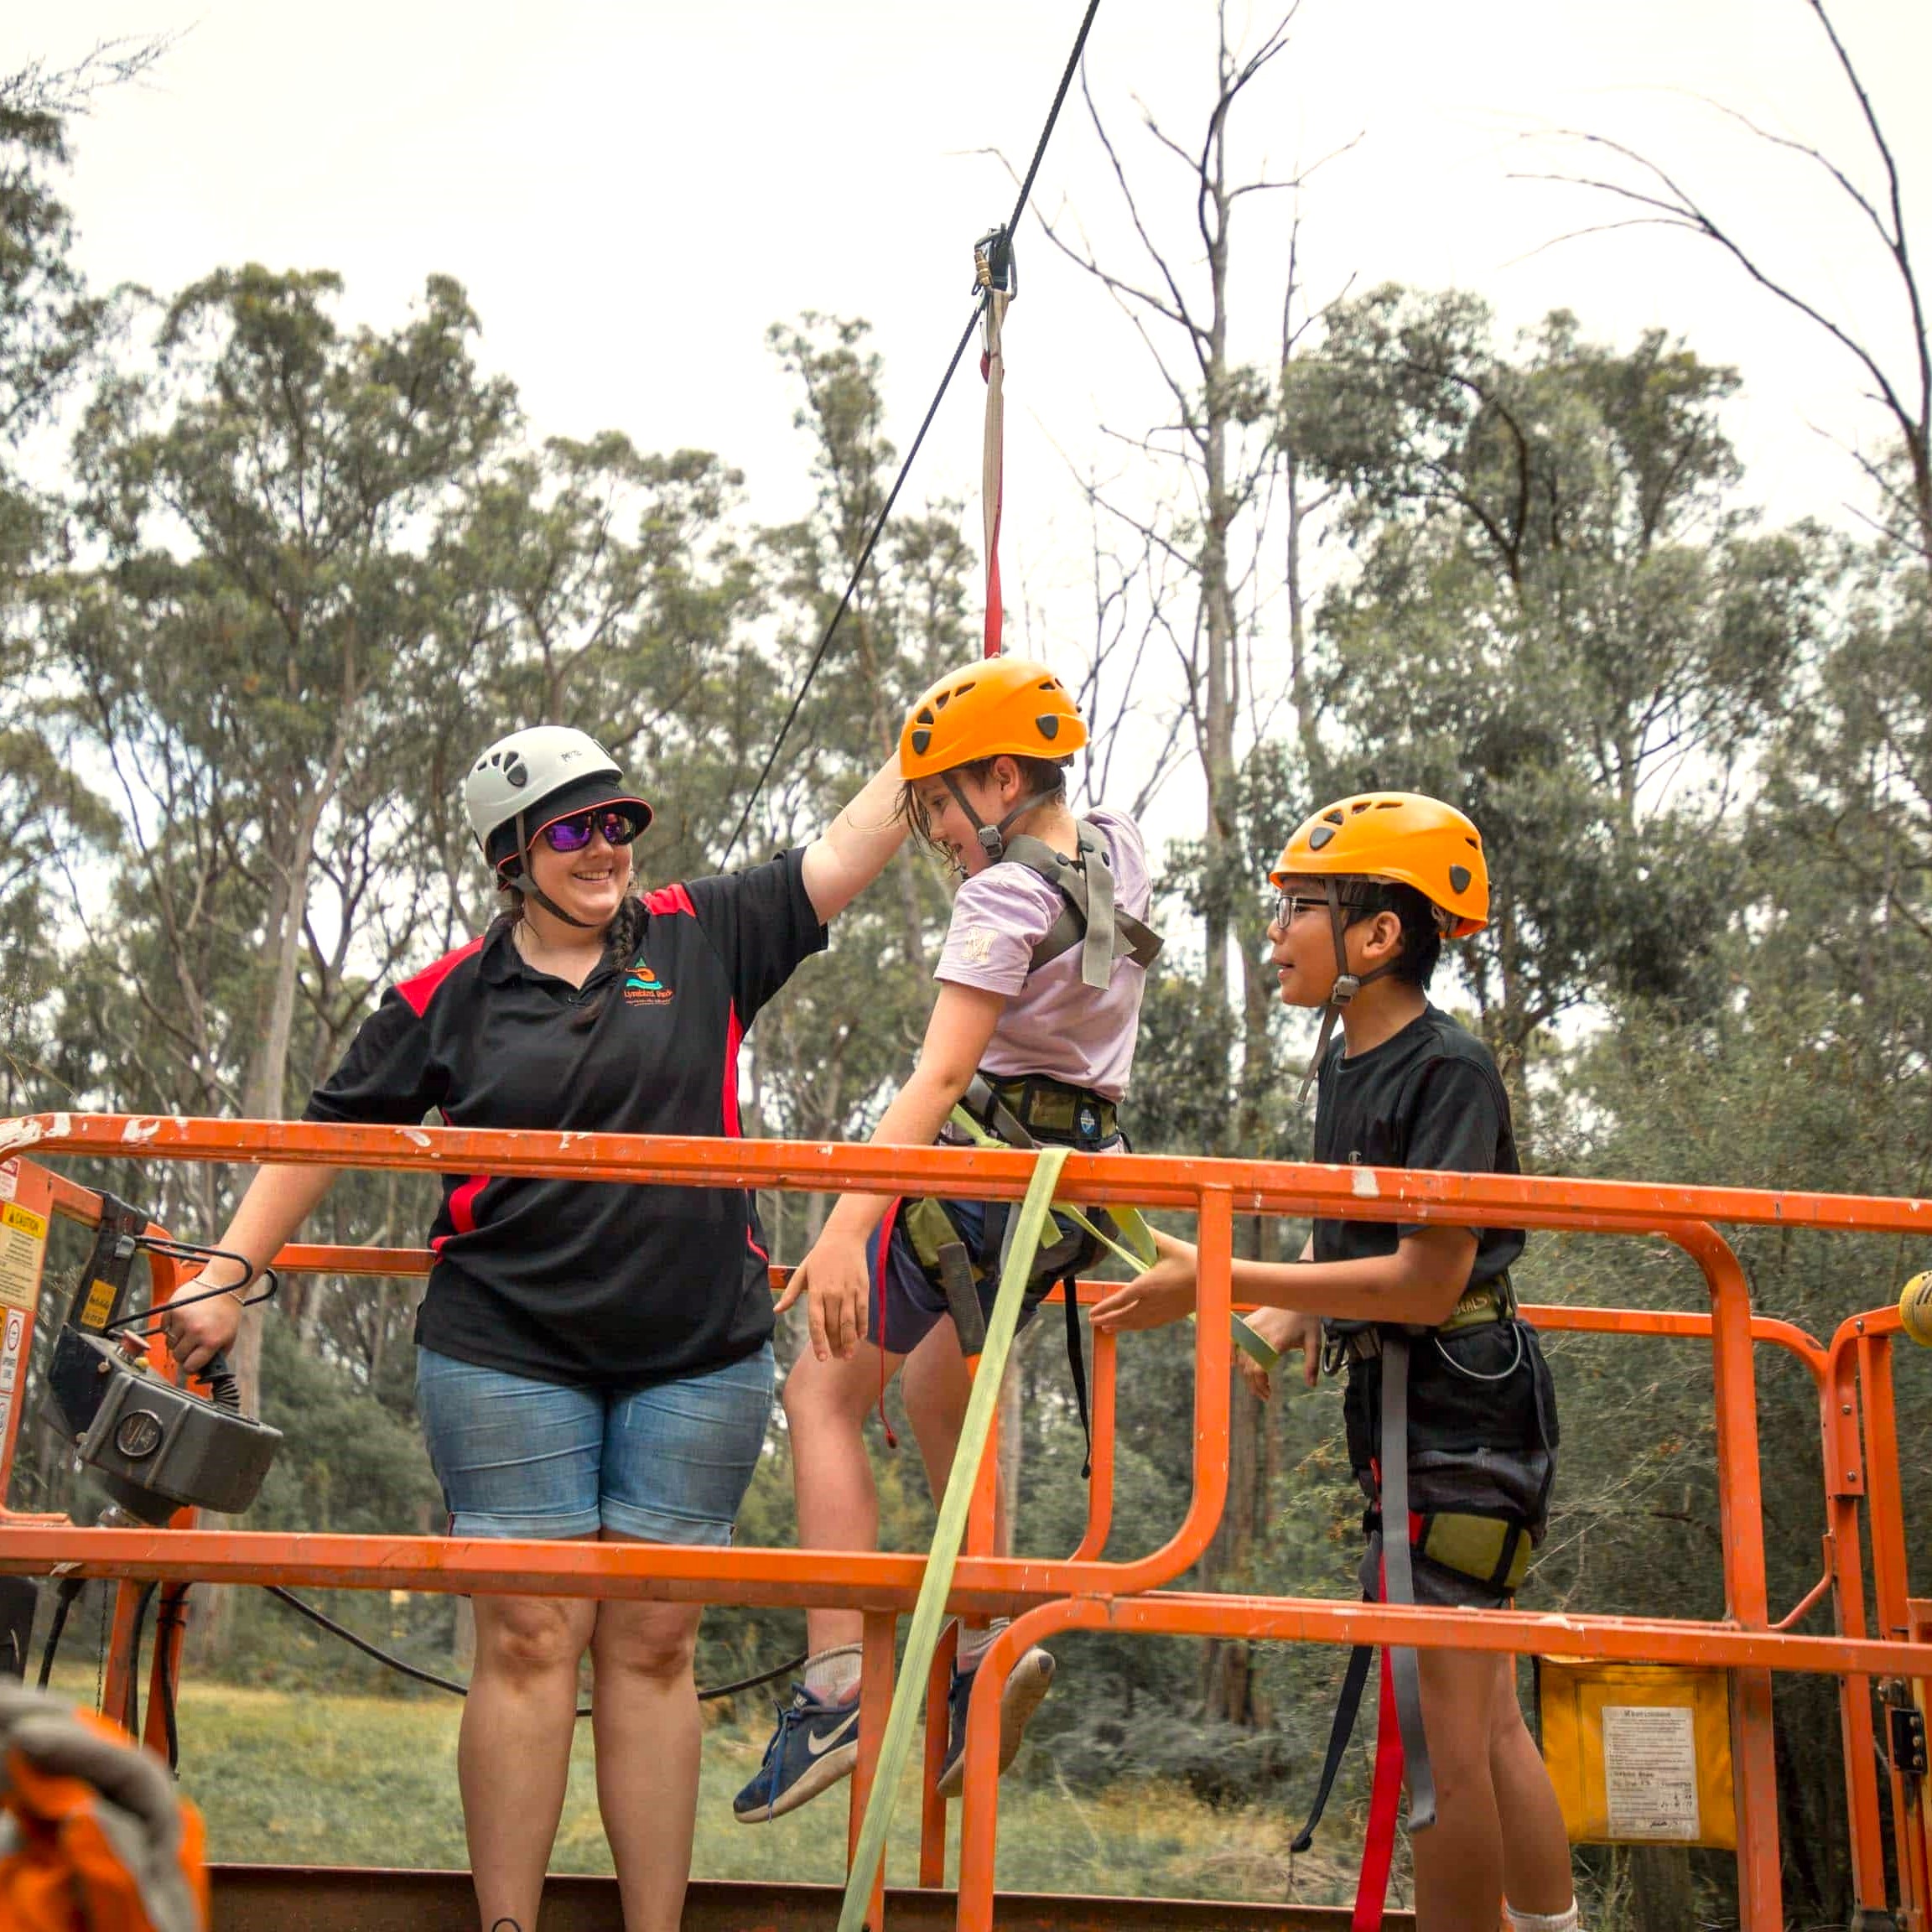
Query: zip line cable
{"points": [[933, 409]]}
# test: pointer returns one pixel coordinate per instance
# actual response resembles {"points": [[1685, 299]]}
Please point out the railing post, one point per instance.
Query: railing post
{"points": [[875, 1701], [931, 1806], [1890, 1587], [1838, 1423], [1740, 1509]]}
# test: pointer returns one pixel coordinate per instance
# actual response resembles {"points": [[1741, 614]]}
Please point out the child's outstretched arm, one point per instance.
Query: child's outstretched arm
{"points": [[835, 1274], [1420, 1282]]}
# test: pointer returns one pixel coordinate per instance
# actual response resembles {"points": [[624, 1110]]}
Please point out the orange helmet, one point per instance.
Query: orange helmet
{"points": [[1400, 835], [1009, 705]]}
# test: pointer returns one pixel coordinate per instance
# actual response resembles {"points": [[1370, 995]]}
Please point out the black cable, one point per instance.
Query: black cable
{"points": [[933, 409], [71, 1588], [456, 1689], [131, 1712], [864, 558], [171, 1616]]}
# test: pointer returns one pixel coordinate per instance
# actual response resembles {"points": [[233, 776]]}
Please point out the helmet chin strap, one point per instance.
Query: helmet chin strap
{"points": [[993, 838], [520, 881], [1346, 985]]}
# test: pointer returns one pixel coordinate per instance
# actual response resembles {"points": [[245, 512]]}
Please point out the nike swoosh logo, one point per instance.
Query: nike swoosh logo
{"points": [[817, 1745]]}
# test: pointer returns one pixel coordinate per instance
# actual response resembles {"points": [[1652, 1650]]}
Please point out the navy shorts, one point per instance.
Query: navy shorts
{"points": [[907, 1307], [520, 1457]]}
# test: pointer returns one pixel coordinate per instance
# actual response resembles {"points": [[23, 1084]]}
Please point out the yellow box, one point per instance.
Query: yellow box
{"points": [[1639, 1754]]}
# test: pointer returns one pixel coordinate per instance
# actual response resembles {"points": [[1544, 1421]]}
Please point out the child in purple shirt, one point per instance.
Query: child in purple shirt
{"points": [[1039, 985]]}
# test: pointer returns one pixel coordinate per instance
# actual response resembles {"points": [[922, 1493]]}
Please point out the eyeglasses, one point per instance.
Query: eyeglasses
{"points": [[573, 834], [1289, 906]]}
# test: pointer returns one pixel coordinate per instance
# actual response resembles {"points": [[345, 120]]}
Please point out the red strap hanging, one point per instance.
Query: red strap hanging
{"points": [[995, 271]]}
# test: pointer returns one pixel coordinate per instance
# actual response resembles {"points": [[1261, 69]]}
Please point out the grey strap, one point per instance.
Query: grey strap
{"points": [[1090, 919], [1398, 1578]]}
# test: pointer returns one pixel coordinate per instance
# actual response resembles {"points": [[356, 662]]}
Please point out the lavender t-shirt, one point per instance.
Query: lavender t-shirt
{"points": [[1054, 1022]]}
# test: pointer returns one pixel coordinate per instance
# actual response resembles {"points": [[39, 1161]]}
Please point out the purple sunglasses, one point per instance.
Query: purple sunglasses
{"points": [[572, 834]]}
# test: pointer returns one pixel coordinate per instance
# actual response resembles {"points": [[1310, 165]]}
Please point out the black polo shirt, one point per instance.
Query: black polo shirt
{"points": [[1429, 1096], [595, 1283]]}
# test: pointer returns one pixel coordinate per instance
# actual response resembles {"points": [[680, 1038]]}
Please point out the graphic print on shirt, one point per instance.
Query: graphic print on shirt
{"points": [[643, 988]]}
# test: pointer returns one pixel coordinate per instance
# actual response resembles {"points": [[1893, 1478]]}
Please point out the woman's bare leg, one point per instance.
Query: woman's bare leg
{"points": [[513, 1751], [645, 1716]]}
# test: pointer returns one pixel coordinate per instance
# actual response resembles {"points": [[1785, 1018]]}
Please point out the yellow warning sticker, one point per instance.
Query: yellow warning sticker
{"points": [[23, 1247], [100, 1304]]}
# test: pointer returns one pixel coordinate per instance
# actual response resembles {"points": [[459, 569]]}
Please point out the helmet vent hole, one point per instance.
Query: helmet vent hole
{"points": [[1388, 805], [1364, 804], [1459, 878], [1049, 726], [926, 716], [921, 738], [1320, 837], [516, 772], [1333, 817]]}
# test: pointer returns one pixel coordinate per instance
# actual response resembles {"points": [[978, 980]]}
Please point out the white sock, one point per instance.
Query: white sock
{"points": [[1564, 1921], [833, 1676], [973, 1643]]}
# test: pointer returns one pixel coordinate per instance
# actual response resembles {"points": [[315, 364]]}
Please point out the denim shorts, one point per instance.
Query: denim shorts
{"points": [[520, 1457]]}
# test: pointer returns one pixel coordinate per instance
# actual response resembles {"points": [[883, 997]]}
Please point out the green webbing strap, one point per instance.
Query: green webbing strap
{"points": [[929, 1613]]}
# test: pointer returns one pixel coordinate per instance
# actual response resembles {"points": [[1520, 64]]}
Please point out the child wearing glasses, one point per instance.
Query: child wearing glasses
{"points": [[593, 1360], [1447, 1384]]}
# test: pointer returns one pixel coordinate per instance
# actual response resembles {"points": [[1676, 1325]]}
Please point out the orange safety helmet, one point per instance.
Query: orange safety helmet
{"points": [[1402, 836], [1013, 706]]}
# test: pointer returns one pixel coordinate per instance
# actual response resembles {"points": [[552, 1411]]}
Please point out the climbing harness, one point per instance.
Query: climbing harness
{"points": [[1491, 1546], [1011, 227]]}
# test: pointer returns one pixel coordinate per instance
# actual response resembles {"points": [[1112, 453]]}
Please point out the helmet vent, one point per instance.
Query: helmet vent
{"points": [[1320, 837], [921, 738], [926, 717], [516, 772], [1049, 726], [1362, 805], [1334, 819], [1459, 878], [1387, 805]]}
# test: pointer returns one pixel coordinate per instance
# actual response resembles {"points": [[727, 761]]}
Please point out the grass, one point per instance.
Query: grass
{"points": [[287, 1778]]}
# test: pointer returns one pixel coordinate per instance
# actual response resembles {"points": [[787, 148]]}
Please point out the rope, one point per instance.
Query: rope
{"points": [[459, 1690], [933, 409]]}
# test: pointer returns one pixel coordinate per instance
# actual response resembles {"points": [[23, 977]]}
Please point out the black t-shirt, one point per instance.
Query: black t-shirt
{"points": [[1429, 1096], [601, 1284]]}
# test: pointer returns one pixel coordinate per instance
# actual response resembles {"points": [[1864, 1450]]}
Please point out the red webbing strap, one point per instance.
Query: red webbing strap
{"points": [[1385, 1801], [992, 466], [878, 1323]]}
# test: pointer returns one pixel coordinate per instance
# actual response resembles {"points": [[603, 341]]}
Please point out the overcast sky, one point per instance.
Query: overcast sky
{"points": [[633, 193]]}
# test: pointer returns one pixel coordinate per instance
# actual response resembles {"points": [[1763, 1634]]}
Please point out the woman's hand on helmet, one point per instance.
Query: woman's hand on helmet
{"points": [[199, 1331], [1164, 1294], [837, 1284]]}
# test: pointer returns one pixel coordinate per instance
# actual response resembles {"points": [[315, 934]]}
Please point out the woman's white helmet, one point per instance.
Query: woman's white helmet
{"points": [[538, 775]]}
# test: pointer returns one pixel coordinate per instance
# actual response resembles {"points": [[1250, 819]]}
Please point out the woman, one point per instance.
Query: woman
{"points": [[593, 1360]]}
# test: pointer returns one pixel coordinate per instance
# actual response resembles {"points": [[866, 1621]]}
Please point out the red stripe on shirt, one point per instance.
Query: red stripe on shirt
{"points": [[463, 1209], [734, 1038], [418, 990], [670, 899]]}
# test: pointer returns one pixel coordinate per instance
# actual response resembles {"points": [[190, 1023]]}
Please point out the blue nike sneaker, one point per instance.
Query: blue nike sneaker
{"points": [[1026, 1685], [816, 1744]]}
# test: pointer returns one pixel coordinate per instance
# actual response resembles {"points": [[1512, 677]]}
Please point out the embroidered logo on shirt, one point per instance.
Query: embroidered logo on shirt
{"points": [[979, 945], [642, 987]]}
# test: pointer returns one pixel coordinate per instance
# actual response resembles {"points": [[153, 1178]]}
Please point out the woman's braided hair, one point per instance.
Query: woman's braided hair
{"points": [[622, 938]]}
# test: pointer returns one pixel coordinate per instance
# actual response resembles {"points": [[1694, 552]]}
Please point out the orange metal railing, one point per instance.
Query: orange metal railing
{"points": [[1084, 1590]]}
